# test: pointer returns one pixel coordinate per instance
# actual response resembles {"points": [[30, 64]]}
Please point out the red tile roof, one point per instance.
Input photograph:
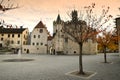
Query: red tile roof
{"points": [[40, 25]]}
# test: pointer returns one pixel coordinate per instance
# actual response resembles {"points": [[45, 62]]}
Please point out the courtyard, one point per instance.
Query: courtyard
{"points": [[55, 67]]}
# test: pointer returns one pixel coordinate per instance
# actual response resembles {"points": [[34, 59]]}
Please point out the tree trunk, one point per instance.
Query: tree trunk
{"points": [[80, 60], [105, 56]]}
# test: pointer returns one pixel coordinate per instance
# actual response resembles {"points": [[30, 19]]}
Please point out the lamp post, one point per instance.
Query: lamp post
{"points": [[21, 37]]}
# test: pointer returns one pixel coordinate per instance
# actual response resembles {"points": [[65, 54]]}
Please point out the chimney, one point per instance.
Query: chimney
{"points": [[21, 27]]}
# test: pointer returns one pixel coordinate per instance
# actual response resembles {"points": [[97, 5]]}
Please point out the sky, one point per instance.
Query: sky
{"points": [[30, 12]]}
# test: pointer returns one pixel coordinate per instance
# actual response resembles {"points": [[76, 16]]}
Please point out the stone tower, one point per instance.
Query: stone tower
{"points": [[63, 42], [57, 25], [58, 35]]}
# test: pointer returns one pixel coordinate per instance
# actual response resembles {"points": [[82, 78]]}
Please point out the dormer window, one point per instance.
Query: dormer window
{"points": [[41, 30]]}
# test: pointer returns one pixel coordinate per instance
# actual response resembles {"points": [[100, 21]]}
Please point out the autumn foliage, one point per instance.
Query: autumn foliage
{"points": [[107, 40]]}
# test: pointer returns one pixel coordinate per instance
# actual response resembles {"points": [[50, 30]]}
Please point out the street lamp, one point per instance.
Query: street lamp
{"points": [[21, 37]]}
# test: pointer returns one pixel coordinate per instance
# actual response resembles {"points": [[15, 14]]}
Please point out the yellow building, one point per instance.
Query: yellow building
{"points": [[13, 37]]}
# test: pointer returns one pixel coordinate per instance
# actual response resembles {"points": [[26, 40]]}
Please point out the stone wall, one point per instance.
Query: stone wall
{"points": [[34, 49]]}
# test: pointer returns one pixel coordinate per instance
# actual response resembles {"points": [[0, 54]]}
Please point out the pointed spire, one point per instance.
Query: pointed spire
{"points": [[58, 19]]}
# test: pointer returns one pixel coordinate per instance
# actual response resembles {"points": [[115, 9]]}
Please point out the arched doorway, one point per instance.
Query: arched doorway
{"points": [[54, 52], [28, 51]]}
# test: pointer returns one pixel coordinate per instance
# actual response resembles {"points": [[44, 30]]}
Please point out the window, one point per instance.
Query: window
{"points": [[66, 40], [24, 49], [18, 42], [33, 43], [41, 43], [12, 35], [74, 52], [24, 36], [12, 42], [1, 39], [56, 30], [2, 34], [34, 36], [37, 44], [62, 35], [38, 36], [18, 35], [41, 30], [8, 35], [24, 43]]}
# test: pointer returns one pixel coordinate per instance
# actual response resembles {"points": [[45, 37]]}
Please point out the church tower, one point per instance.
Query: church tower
{"points": [[58, 35], [57, 25]]}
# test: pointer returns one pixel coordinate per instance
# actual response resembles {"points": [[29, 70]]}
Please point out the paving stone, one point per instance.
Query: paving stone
{"points": [[54, 67]]}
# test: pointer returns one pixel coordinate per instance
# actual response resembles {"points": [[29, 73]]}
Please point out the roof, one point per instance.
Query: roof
{"points": [[12, 30], [58, 19], [40, 25], [117, 18], [50, 38]]}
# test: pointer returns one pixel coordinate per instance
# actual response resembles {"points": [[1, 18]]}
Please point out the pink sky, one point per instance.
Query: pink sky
{"points": [[32, 11]]}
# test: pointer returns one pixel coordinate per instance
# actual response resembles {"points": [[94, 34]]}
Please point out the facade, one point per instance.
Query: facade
{"points": [[49, 43], [118, 31], [39, 40], [13, 37], [63, 43]]}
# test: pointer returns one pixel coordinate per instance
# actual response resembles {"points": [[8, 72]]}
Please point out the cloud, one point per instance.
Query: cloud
{"points": [[32, 11]]}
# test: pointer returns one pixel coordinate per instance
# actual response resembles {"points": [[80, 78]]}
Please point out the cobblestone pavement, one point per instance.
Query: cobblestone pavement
{"points": [[55, 67]]}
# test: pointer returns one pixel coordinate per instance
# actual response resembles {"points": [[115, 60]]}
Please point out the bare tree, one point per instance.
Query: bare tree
{"points": [[87, 28], [7, 43], [5, 7]]}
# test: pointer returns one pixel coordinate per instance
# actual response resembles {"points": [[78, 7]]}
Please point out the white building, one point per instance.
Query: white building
{"points": [[39, 40]]}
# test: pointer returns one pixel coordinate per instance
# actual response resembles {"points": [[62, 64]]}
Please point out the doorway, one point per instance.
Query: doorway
{"points": [[28, 51]]}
